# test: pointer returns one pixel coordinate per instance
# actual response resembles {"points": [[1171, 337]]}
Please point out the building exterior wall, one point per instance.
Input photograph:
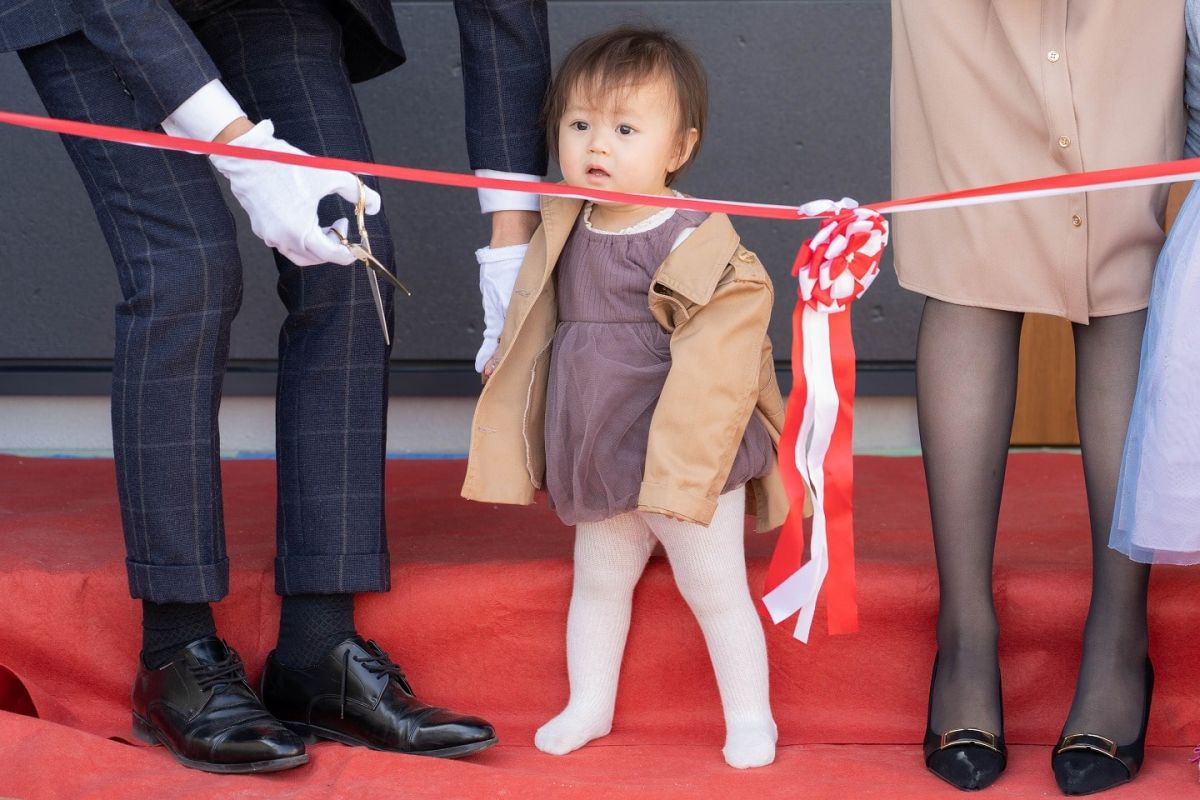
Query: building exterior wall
{"points": [[799, 111]]}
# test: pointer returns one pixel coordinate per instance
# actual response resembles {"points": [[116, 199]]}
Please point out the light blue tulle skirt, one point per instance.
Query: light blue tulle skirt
{"points": [[1157, 514]]}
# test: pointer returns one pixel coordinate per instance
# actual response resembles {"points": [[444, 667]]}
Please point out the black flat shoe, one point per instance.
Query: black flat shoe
{"points": [[1086, 763], [966, 758], [356, 695], [201, 709]]}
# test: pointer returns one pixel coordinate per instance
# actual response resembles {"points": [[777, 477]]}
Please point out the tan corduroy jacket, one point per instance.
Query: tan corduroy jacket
{"points": [[715, 299]]}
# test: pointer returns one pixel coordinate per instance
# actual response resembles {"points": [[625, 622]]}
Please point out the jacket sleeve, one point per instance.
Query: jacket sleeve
{"points": [[506, 69], [154, 52], [716, 357]]}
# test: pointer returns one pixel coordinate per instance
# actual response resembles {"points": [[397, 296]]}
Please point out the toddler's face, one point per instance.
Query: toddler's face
{"points": [[625, 141]]}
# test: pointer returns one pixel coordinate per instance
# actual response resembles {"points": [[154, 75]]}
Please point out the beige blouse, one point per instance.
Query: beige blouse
{"points": [[993, 91]]}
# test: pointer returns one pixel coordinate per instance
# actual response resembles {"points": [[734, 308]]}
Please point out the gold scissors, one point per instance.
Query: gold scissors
{"points": [[375, 270]]}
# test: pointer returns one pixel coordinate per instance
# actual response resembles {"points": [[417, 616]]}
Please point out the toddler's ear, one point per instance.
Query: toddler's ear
{"points": [[687, 143]]}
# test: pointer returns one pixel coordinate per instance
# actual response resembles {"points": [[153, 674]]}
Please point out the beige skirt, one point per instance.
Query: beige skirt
{"points": [[993, 91]]}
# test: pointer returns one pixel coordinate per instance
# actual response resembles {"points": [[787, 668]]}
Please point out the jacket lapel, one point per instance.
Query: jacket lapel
{"points": [[693, 269], [558, 218]]}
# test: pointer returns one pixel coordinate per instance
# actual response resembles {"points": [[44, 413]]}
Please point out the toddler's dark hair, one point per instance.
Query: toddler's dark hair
{"points": [[625, 57]]}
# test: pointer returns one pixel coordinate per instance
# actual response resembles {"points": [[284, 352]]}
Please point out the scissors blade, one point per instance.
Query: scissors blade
{"points": [[371, 279], [372, 264]]}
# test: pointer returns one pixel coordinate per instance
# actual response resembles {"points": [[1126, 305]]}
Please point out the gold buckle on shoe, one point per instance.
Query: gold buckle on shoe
{"points": [[959, 737], [1089, 741]]}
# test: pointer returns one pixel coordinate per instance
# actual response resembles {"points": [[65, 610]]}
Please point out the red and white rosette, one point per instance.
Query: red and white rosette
{"points": [[834, 269]]}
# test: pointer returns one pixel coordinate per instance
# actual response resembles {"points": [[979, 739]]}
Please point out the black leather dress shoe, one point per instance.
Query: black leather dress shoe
{"points": [[201, 708], [356, 695]]}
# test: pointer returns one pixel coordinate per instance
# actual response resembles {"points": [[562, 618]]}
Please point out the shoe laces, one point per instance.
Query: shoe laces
{"points": [[378, 664], [227, 671]]}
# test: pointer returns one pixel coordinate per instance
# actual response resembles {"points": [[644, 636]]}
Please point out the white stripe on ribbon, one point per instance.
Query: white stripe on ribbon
{"points": [[902, 206], [773, 210], [799, 592]]}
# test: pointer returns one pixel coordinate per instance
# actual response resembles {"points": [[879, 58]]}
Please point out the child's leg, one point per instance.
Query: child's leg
{"points": [[609, 558], [710, 570]]}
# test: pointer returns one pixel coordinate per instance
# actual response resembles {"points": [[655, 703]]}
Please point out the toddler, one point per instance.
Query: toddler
{"points": [[634, 382]]}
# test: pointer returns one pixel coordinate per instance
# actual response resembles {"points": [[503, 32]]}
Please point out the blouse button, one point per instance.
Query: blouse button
{"points": [[1064, 142], [1053, 56], [1077, 220]]}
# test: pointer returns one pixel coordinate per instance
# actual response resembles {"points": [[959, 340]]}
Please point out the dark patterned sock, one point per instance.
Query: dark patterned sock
{"points": [[166, 627], [310, 625]]}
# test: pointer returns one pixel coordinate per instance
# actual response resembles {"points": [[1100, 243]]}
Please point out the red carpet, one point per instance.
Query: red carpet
{"points": [[477, 618]]}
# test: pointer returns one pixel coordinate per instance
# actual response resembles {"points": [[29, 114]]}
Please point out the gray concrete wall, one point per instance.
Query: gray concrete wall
{"points": [[799, 111]]}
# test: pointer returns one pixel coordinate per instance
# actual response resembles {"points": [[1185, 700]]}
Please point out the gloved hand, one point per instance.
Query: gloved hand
{"points": [[498, 268], [282, 199]]}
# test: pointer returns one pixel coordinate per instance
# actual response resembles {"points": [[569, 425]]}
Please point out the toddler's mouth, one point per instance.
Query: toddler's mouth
{"points": [[597, 172]]}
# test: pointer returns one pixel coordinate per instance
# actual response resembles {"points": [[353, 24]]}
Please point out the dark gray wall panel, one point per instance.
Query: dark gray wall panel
{"points": [[799, 111]]}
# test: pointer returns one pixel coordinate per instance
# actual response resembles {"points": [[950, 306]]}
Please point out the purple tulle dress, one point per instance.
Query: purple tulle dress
{"points": [[608, 365]]}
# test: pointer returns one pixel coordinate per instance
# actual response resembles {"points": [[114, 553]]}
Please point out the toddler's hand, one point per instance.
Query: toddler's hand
{"points": [[489, 368]]}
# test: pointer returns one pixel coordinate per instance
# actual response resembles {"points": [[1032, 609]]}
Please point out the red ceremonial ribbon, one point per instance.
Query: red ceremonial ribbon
{"points": [[815, 448], [839, 483], [162, 141], [789, 547], [1096, 180]]}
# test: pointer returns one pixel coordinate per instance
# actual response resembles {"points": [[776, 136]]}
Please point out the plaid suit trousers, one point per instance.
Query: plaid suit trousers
{"points": [[173, 243]]}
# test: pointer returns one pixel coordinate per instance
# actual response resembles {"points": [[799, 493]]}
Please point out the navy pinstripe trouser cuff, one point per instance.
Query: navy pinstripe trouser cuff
{"points": [[333, 573], [193, 583]]}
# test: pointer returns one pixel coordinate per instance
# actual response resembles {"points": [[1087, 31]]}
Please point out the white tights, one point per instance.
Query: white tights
{"points": [[710, 569]]}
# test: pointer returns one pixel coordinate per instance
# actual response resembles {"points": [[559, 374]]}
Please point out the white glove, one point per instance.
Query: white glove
{"points": [[281, 199], [498, 270]]}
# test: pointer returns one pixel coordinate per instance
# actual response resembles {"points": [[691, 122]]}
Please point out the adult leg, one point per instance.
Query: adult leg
{"points": [[610, 557], [966, 391], [1110, 695], [283, 61], [173, 243], [710, 570]]}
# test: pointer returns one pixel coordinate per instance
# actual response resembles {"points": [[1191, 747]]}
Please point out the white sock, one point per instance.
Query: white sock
{"points": [[710, 569], [609, 558]]}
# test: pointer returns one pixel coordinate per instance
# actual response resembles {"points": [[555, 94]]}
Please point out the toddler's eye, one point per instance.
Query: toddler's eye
{"points": [[624, 130], [579, 125]]}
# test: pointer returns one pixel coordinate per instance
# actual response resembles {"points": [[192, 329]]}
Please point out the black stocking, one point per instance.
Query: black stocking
{"points": [[966, 385], [966, 391], [1109, 695]]}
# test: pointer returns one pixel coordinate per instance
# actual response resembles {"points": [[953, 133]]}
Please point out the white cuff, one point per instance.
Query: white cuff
{"points": [[504, 200], [205, 114], [490, 255]]}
